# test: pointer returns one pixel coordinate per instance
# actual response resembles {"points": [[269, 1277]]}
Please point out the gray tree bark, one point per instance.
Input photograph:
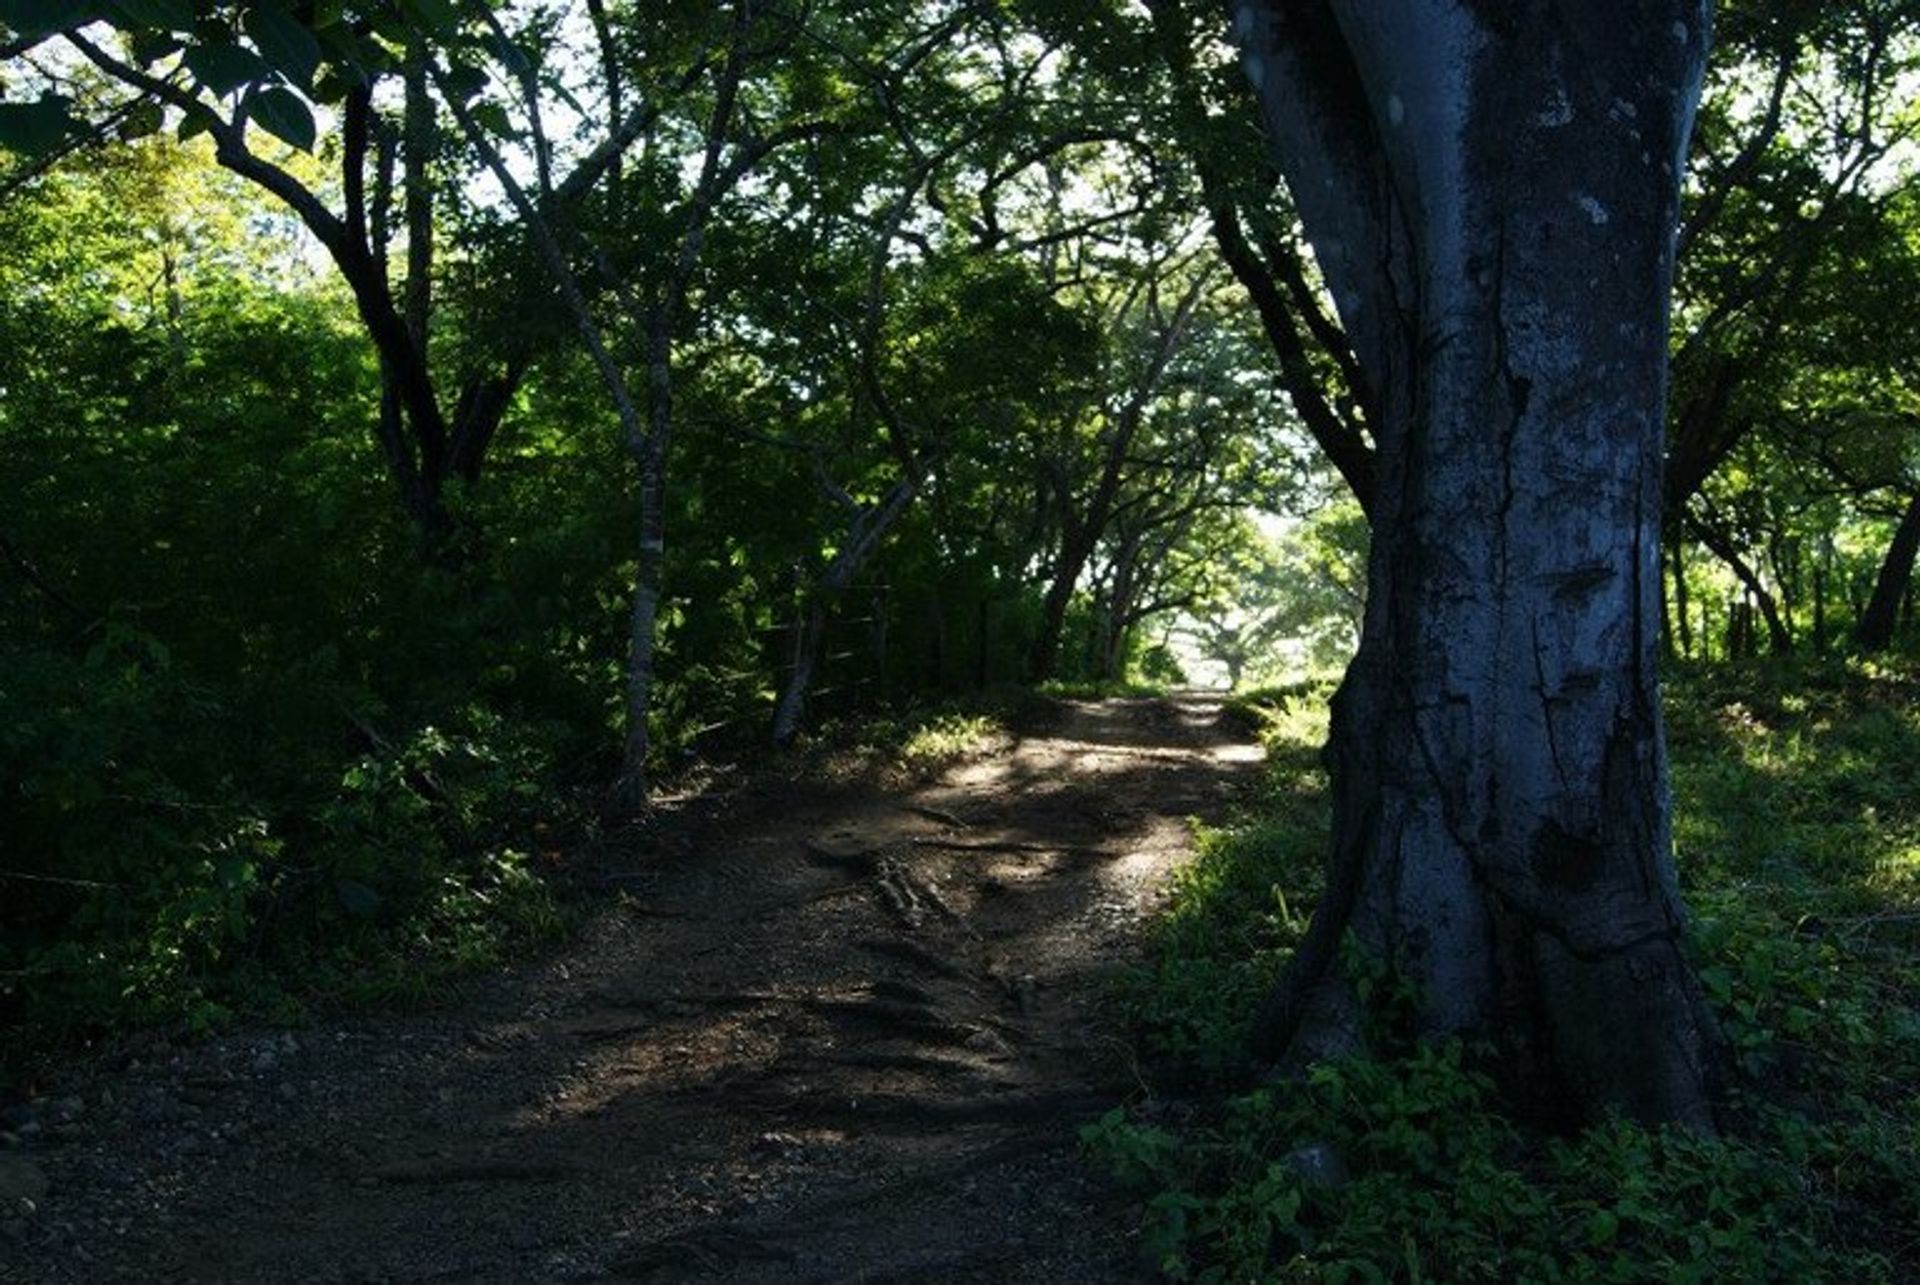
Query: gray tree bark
{"points": [[1490, 188]]}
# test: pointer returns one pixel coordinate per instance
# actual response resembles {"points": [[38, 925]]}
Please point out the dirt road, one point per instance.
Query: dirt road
{"points": [[814, 1038]]}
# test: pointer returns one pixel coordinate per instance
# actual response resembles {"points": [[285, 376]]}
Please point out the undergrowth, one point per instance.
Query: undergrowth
{"points": [[910, 743], [1094, 689], [143, 891], [1797, 821]]}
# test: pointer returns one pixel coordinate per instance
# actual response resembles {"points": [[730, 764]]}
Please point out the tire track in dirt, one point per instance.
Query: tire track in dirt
{"points": [[833, 1038]]}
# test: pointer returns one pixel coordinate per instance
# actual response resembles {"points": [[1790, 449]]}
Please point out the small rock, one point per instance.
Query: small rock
{"points": [[68, 1108], [22, 1182], [115, 1176], [286, 1092], [264, 1061]]}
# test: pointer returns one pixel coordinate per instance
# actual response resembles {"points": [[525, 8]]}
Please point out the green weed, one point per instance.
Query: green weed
{"points": [[1798, 825]]}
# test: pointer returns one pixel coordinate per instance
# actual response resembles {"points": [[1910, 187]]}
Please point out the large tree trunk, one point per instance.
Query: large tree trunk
{"points": [[1875, 630], [1491, 192]]}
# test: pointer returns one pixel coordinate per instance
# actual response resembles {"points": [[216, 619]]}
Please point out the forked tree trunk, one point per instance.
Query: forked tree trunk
{"points": [[865, 533], [1491, 192]]}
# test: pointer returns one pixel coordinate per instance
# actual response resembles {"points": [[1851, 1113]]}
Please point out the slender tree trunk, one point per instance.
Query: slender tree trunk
{"points": [[869, 529], [1491, 191], [1874, 632], [1681, 607], [643, 623], [650, 456], [938, 653], [1784, 555], [1822, 572], [418, 135], [1121, 599], [1779, 634]]}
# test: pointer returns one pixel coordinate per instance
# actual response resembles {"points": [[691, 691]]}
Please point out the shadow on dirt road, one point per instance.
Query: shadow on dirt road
{"points": [[835, 1039]]}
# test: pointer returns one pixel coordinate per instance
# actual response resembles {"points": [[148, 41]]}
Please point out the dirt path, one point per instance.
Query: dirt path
{"points": [[843, 1039]]}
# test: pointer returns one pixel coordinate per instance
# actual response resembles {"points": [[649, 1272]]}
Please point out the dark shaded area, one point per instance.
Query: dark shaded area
{"points": [[810, 1037]]}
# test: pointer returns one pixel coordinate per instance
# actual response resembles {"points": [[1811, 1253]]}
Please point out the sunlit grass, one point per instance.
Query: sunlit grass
{"points": [[947, 738]]}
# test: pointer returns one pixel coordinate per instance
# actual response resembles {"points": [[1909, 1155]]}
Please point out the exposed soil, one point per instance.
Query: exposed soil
{"points": [[839, 1036]]}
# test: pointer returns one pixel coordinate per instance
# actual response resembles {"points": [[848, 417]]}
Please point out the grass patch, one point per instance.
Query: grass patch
{"points": [[1098, 689], [1797, 821], [943, 739], [915, 743]]}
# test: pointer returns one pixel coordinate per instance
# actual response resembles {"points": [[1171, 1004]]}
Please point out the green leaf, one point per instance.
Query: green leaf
{"points": [[512, 56], [222, 69], [434, 17], [233, 872], [149, 47], [356, 898], [493, 118], [169, 15], [143, 122], [34, 18], [284, 42], [350, 54], [282, 114], [332, 86], [465, 80], [34, 129], [195, 122]]}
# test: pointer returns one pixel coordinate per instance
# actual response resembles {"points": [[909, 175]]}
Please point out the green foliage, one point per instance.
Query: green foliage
{"points": [[252, 753], [1798, 839]]}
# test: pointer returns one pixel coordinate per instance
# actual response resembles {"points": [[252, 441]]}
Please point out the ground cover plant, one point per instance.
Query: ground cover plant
{"points": [[1798, 831]]}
